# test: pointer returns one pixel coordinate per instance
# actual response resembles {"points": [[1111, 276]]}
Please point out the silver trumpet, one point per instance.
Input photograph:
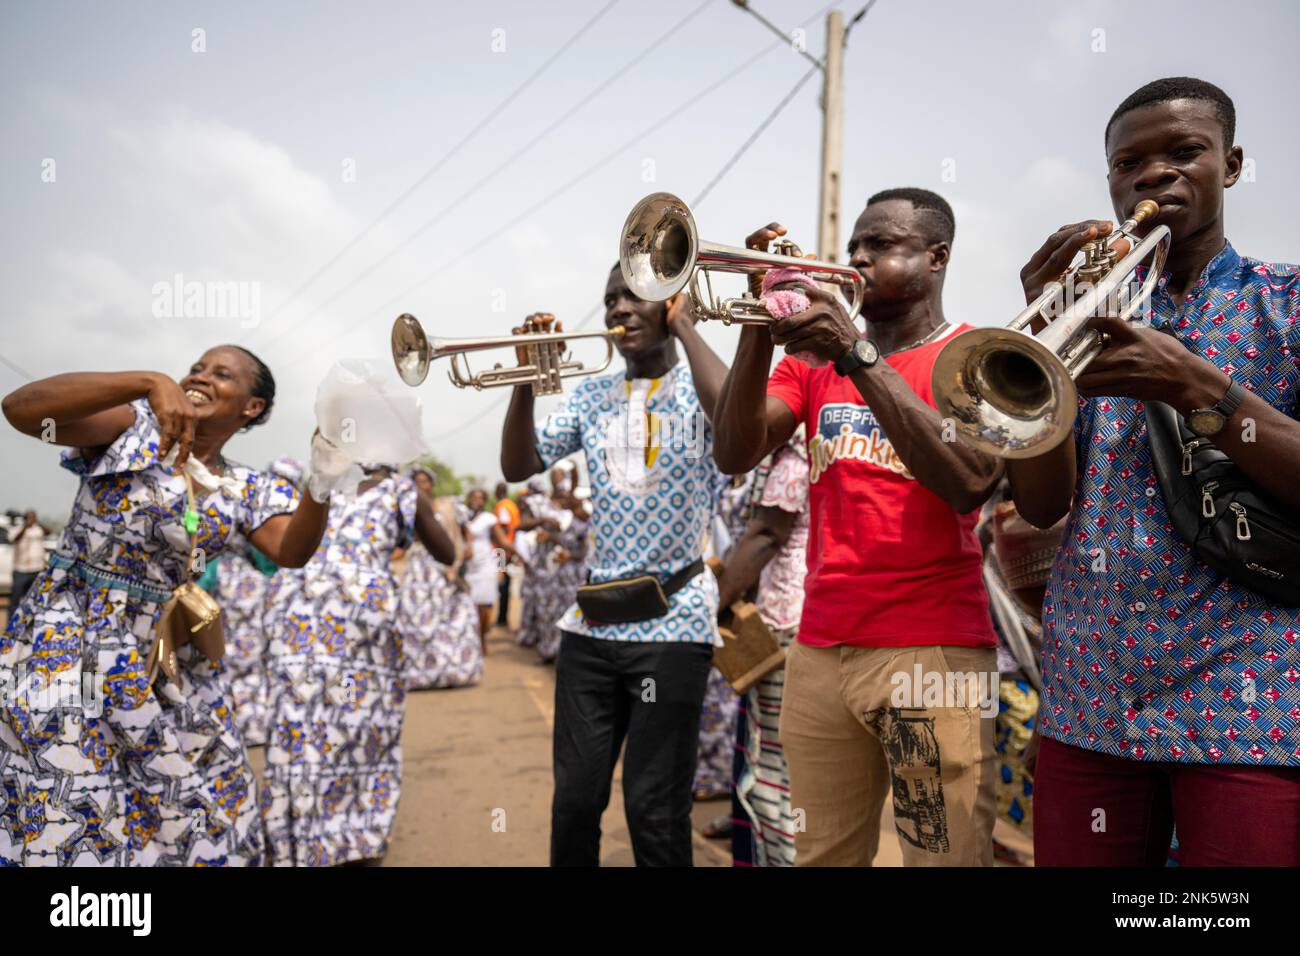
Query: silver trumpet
{"points": [[660, 253], [545, 370], [1010, 391]]}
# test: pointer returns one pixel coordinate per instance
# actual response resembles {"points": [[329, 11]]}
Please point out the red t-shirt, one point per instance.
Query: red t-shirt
{"points": [[890, 564]]}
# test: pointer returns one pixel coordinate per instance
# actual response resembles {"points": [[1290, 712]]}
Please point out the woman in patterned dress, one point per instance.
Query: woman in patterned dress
{"points": [[142, 773], [538, 520], [436, 619], [713, 767], [337, 697], [568, 569], [772, 552], [241, 592]]}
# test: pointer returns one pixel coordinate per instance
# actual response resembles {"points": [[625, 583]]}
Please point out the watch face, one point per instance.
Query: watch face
{"points": [[1205, 421], [866, 351]]}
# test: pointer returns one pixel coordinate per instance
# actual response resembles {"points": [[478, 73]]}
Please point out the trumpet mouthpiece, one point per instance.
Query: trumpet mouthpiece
{"points": [[1146, 209], [617, 332]]}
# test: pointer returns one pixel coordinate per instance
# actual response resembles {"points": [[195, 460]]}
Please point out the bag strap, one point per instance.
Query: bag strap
{"points": [[676, 582], [682, 577], [191, 522]]}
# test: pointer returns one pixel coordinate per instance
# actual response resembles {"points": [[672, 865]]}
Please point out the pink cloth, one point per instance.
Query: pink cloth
{"points": [[783, 303]]}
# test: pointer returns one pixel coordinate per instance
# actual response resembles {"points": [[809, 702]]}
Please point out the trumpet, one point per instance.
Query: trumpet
{"points": [[661, 254], [1011, 392], [545, 370]]}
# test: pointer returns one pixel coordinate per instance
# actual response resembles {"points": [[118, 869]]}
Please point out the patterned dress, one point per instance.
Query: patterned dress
{"points": [[337, 697], [764, 822], [565, 580], [537, 594], [241, 592], [714, 762], [438, 625], [98, 767]]}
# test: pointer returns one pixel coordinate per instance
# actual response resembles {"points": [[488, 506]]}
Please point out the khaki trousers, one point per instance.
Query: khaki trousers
{"points": [[848, 742]]}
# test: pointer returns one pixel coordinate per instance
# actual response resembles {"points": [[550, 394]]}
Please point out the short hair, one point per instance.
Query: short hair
{"points": [[1182, 88], [937, 212], [263, 385]]}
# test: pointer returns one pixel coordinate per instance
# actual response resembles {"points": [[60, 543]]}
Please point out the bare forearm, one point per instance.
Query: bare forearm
{"points": [[291, 540], [519, 457], [707, 369], [740, 428], [1042, 487], [72, 397], [744, 567], [432, 534], [957, 473]]}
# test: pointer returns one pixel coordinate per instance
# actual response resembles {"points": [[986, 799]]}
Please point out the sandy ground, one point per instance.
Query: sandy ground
{"points": [[476, 789]]}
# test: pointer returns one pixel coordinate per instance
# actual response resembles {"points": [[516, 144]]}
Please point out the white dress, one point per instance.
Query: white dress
{"points": [[481, 574]]}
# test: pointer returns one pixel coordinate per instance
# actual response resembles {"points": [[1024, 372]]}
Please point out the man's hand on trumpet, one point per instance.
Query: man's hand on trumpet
{"points": [[824, 329], [1055, 255], [537, 322], [1143, 363]]}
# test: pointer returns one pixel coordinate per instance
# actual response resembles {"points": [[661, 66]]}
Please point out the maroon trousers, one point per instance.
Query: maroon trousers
{"points": [[1093, 809]]}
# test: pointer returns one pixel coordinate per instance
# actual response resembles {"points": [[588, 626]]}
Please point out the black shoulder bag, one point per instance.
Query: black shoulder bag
{"points": [[1229, 522]]}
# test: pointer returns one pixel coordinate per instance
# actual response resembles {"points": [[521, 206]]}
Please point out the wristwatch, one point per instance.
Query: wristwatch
{"points": [[1210, 421], [862, 354]]}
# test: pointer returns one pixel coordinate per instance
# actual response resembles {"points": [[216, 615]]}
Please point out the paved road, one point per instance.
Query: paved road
{"points": [[476, 789]]}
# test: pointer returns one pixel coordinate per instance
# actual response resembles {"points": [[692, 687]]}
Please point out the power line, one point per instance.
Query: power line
{"points": [[496, 111], [496, 171], [767, 121], [22, 372], [856, 18], [674, 114]]}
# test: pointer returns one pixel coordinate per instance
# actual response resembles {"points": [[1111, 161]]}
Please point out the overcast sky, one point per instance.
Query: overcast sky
{"points": [[258, 148]]}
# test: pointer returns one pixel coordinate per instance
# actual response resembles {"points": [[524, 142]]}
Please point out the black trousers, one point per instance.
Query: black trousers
{"points": [[503, 600], [650, 695]]}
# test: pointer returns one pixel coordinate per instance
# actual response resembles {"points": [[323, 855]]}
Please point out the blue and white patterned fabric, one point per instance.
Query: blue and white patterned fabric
{"points": [[99, 767], [649, 452], [1147, 652]]}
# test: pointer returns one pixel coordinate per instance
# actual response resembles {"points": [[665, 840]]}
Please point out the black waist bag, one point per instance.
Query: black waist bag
{"points": [[1230, 523], [641, 598]]}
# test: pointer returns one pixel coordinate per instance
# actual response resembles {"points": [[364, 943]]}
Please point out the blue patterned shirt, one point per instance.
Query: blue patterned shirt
{"points": [[649, 452], [1147, 652]]}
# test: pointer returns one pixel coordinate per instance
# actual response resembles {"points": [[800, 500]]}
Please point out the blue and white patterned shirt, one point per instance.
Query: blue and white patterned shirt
{"points": [[649, 452], [1147, 652]]}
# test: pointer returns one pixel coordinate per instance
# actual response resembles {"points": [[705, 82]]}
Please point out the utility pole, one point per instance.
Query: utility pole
{"points": [[828, 211]]}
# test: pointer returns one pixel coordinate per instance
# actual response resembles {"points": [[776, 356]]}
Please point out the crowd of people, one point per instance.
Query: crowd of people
{"points": [[974, 638]]}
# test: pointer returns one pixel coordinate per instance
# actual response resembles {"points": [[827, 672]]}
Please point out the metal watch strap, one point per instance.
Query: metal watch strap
{"points": [[1231, 400]]}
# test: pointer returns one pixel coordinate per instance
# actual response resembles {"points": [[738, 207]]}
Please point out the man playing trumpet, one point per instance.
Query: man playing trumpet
{"points": [[1170, 693], [648, 451], [895, 599]]}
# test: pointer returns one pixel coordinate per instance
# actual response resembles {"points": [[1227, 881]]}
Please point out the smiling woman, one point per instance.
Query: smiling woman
{"points": [[157, 499]]}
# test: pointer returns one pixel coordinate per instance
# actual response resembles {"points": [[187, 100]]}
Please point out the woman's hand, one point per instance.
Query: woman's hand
{"points": [[176, 417]]}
